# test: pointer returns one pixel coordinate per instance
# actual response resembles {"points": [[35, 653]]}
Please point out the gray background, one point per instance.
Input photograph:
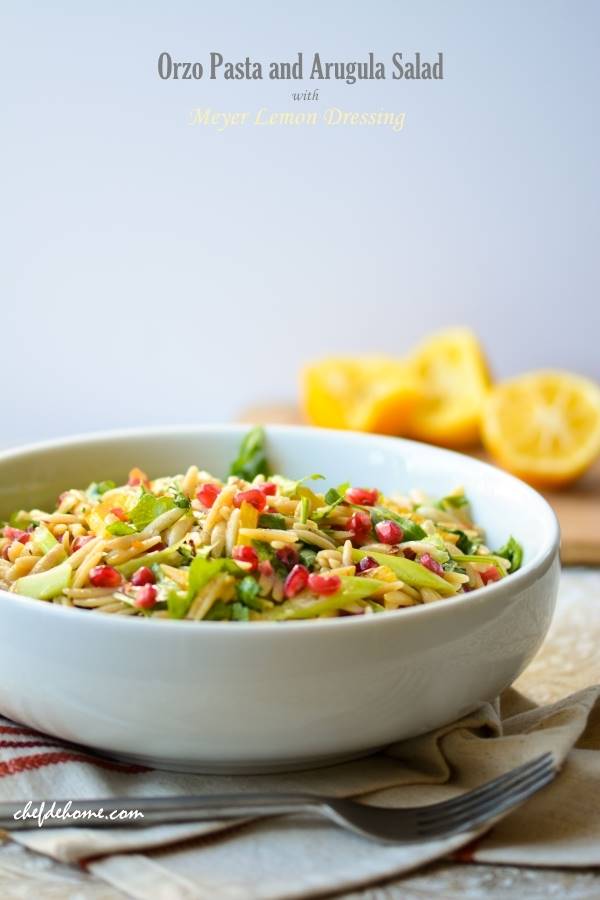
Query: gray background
{"points": [[154, 272]]}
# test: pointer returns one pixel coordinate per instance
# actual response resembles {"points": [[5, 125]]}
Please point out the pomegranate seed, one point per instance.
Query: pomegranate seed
{"points": [[359, 525], [245, 554], [362, 496], [105, 576], [409, 554], [268, 488], [296, 581], [366, 563], [142, 576], [207, 494], [16, 534], [265, 567], [119, 513], [324, 584], [389, 532], [288, 556], [254, 497], [146, 597], [490, 574], [81, 541], [432, 564]]}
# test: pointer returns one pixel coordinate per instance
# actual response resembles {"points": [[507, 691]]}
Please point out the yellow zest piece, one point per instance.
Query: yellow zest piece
{"points": [[371, 393], [121, 499], [544, 426], [382, 573], [454, 378], [248, 519]]}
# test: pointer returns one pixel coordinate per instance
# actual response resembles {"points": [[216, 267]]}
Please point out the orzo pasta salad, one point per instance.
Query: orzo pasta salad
{"points": [[257, 546]]}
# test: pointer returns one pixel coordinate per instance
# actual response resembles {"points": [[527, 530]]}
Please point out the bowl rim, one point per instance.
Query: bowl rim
{"points": [[530, 572]]}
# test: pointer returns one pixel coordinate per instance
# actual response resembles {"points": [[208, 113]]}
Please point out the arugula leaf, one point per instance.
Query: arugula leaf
{"points": [[247, 591], [251, 460], [512, 551], [97, 488], [412, 531], [148, 508], [272, 520], [464, 544]]}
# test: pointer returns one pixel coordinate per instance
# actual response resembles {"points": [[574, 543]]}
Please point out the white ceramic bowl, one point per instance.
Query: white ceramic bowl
{"points": [[241, 697]]}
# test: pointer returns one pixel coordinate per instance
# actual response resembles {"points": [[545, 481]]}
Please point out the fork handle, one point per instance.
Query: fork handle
{"points": [[98, 813]]}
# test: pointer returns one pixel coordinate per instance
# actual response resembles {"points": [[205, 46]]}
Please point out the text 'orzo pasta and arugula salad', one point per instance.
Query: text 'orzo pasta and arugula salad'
{"points": [[255, 547]]}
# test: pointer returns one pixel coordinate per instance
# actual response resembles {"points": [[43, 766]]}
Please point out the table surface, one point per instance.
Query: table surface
{"points": [[568, 661]]}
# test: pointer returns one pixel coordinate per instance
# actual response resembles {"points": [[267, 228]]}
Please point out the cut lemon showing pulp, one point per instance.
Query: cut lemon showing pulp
{"points": [[372, 393], [454, 379], [544, 427]]}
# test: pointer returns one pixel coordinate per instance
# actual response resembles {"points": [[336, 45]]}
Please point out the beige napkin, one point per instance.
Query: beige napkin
{"points": [[284, 858]]}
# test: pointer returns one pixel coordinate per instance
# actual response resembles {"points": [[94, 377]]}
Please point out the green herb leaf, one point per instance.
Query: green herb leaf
{"points": [[307, 557], [179, 498], [333, 498], [266, 553], [251, 460], [412, 531], [512, 551], [247, 591], [239, 612], [272, 520], [219, 611], [186, 552]]}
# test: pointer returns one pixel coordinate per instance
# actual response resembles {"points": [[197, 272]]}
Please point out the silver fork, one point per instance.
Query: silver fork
{"points": [[411, 824]]}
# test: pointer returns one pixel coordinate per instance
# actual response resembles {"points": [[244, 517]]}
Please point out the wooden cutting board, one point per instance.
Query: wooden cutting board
{"points": [[578, 508]]}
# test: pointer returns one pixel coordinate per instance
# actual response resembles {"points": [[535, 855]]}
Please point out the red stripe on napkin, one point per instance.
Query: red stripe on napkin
{"points": [[48, 743], [14, 729], [40, 760]]}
